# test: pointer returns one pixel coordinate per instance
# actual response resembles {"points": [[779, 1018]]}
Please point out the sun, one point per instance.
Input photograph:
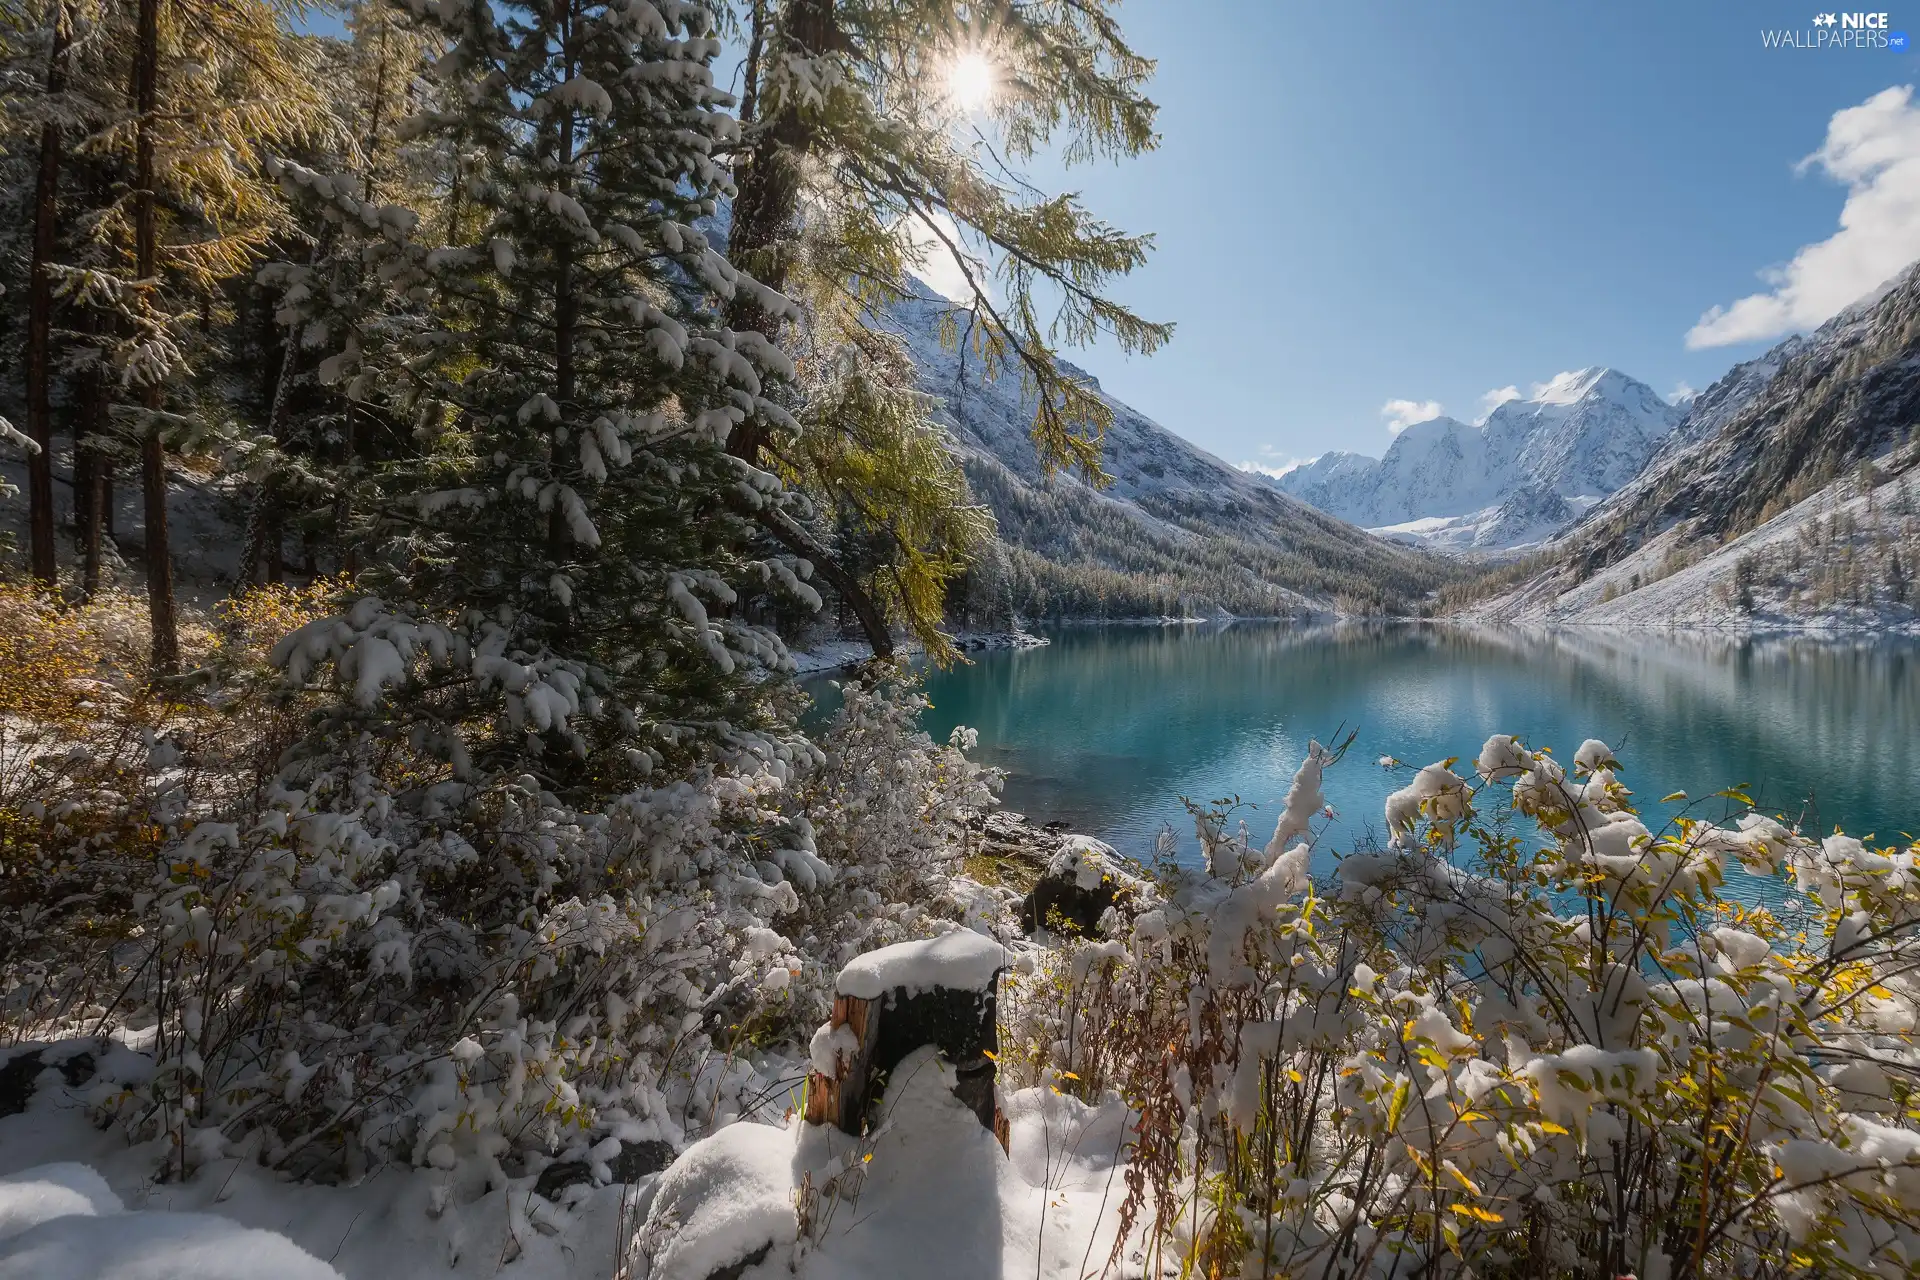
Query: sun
{"points": [[970, 81]]}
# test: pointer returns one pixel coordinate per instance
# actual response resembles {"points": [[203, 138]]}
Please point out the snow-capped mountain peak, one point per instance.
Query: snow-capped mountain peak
{"points": [[1578, 437]]}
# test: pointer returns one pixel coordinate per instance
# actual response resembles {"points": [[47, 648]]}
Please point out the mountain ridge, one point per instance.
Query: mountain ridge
{"points": [[1177, 525], [1493, 484], [1786, 498]]}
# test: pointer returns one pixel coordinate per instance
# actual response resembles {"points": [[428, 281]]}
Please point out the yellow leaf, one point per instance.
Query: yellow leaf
{"points": [[1669, 799], [1548, 1126], [1475, 1212], [1398, 1105]]}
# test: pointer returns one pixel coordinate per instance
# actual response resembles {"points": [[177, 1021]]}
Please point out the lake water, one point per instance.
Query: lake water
{"points": [[1108, 727]]}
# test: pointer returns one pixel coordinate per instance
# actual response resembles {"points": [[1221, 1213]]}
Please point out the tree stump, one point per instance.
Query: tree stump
{"points": [[942, 992]]}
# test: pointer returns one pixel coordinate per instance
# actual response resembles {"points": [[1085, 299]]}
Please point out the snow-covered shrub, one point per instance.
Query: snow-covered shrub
{"points": [[1476, 1053], [887, 810], [97, 767]]}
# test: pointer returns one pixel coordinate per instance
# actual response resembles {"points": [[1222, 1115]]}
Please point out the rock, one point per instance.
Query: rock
{"points": [[724, 1205], [635, 1161], [1082, 880], [21, 1072]]}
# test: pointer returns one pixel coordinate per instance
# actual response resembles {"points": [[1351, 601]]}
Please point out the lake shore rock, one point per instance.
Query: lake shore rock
{"points": [[834, 655], [1066, 878]]}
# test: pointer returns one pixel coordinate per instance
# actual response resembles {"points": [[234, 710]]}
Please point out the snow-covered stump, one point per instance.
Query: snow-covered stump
{"points": [[942, 992]]}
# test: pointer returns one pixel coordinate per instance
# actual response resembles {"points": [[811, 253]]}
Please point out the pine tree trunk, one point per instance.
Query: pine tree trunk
{"points": [[46, 212], [566, 313], [765, 211], [153, 458], [264, 526], [764, 217], [93, 495], [98, 496]]}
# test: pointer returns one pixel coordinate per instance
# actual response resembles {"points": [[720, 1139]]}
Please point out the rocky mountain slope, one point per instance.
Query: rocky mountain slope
{"points": [[1202, 535], [1513, 480], [1786, 499]]}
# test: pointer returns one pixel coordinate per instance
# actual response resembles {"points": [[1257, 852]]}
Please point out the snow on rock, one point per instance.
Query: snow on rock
{"points": [[728, 1199], [1083, 858], [49, 1191], [1082, 880], [959, 961]]}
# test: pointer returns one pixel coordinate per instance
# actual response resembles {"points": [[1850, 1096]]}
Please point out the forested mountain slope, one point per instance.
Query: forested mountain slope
{"points": [[1178, 532], [1786, 497]]}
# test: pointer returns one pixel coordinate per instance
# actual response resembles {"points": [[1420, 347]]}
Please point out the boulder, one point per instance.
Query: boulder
{"points": [[724, 1205], [635, 1161], [1083, 880], [20, 1072]]}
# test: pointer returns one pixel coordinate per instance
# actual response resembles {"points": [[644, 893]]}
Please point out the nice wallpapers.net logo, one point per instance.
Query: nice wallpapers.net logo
{"points": [[1837, 31]]}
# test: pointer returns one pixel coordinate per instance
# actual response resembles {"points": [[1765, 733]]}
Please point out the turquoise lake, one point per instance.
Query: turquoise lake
{"points": [[1107, 728]]}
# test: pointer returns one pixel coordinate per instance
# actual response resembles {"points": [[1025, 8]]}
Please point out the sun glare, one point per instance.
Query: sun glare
{"points": [[970, 81]]}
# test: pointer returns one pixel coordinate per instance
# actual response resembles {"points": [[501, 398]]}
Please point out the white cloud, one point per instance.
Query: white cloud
{"points": [[931, 259], [1275, 469], [1874, 149], [1401, 414], [1274, 463], [1494, 399], [1682, 392]]}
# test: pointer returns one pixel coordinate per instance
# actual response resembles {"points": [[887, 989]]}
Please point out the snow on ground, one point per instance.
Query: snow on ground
{"points": [[929, 1185], [206, 523], [928, 1193], [390, 1223]]}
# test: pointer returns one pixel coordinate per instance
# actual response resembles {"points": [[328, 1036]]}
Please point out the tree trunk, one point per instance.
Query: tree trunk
{"points": [[46, 213], [97, 498], [764, 222], [153, 457], [264, 526], [750, 78], [768, 203], [93, 494], [797, 540]]}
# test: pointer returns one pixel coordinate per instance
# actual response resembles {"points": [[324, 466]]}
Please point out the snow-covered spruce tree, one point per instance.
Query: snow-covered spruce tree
{"points": [[314, 441], [532, 836]]}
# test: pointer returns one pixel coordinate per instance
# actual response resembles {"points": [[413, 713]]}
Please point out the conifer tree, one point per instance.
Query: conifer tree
{"points": [[566, 512], [851, 111], [184, 208]]}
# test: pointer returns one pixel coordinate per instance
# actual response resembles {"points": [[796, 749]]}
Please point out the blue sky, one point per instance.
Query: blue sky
{"points": [[1414, 201]]}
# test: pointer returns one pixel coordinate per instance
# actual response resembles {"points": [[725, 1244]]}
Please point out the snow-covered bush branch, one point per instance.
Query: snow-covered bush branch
{"points": [[1477, 1052]]}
